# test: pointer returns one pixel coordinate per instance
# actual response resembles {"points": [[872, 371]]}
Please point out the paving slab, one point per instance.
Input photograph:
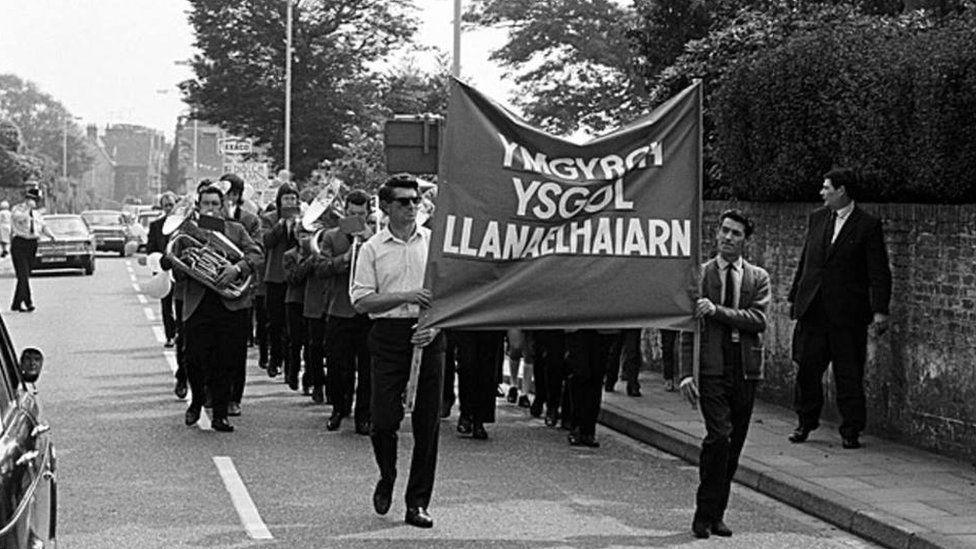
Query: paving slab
{"points": [[889, 493]]}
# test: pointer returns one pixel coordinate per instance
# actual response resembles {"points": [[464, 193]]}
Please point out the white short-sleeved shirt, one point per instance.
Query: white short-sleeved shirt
{"points": [[387, 264]]}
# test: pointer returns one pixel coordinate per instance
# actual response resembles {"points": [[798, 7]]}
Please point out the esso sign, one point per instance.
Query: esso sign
{"points": [[236, 146]]}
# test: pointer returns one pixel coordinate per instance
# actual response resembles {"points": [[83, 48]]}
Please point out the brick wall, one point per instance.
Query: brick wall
{"points": [[920, 376]]}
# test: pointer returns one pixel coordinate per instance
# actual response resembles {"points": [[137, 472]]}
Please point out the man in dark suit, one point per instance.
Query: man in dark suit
{"points": [[732, 308], [215, 325], [842, 285], [172, 303], [277, 233]]}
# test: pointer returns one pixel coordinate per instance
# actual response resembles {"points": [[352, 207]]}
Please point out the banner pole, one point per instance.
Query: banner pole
{"points": [[696, 350]]}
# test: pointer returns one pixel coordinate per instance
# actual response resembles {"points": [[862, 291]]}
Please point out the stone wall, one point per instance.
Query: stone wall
{"points": [[921, 375]]}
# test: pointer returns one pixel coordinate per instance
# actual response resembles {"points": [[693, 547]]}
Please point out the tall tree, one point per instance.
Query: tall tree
{"points": [[240, 68], [571, 59]]}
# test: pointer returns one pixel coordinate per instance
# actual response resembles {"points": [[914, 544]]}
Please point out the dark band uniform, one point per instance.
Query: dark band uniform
{"points": [[387, 264]]}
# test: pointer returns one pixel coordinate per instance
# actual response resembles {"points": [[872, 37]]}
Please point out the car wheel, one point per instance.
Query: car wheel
{"points": [[90, 266], [122, 252]]}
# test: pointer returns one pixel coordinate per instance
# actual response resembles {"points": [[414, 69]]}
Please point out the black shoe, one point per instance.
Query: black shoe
{"points": [[478, 432], [445, 410], [16, 308], [608, 386], [383, 497], [850, 443], [499, 393], [180, 389], [566, 424], [719, 528], [523, 401], [169, 343], [363, 427], [292, 381], [576, 439], [192, 416], [464, 425], [335, 421], [317, 396], [535, 410], [700, 528], [29, 309], [220, 424], [233, 409], [512, 395], [552, 419], [273, 370], [633, 389], [417, 516], [801, 434]]}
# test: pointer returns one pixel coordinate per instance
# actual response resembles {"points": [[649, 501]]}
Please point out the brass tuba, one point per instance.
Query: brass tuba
{"points": [[203, 254]]}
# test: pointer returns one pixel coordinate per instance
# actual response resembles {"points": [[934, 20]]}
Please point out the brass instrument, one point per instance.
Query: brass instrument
{"points": [[203, 254]]}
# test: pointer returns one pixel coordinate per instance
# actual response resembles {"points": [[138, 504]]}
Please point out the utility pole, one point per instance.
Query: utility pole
{"points": [[456, 63], [288, 33]]}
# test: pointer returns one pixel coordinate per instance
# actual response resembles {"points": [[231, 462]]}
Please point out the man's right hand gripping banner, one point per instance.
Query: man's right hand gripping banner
{"points": [[534, 231]]}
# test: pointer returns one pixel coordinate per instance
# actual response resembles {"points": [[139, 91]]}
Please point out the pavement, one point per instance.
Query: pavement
{"points": [[892, 494]]}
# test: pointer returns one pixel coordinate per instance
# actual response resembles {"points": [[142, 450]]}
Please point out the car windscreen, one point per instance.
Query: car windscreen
{"points": [[67, 226], [103, 218]]}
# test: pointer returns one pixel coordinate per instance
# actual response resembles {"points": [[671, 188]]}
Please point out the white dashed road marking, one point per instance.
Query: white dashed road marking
{"points": [[149, 314], [159, 333], [142, 299], [136, 288], [242, 501]]}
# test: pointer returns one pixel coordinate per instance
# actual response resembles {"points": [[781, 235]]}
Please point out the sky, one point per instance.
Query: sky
{"points": [[113, 61]]}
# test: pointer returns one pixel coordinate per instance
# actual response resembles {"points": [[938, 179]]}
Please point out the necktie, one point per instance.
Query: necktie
{"points": [[728, 300], [829, 230], [31, 214]]}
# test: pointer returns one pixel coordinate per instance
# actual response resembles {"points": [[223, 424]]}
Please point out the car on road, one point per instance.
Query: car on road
{"points": [[145, 218], [111, 228], [28, 485], [73, 247]]}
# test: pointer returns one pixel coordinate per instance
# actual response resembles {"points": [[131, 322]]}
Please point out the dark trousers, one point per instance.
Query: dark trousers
{"points": [[668, 350], [817, 344], [586, 355], [349, 365], [480, 354], [551, 369], [726, 406], [169, 323], [22, 251], [261, 328], [316, 331], [625, 353], [450, 367], [297, 335], [180, 341], [391, 352], [274, 304], [214, 337]]}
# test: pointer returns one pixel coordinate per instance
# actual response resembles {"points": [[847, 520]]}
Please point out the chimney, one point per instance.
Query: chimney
{"points": [[92, 132]]}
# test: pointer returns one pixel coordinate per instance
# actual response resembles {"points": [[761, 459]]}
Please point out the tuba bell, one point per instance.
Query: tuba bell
{"points": [[203, 254]]}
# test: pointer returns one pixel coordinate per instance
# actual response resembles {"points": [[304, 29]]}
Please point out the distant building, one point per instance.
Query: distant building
{"points": [[97, 185], [139, 154], [199, 151]]}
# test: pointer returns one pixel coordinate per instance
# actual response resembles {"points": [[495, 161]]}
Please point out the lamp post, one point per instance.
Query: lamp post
{"points": [[288, 34], [456, 62]]}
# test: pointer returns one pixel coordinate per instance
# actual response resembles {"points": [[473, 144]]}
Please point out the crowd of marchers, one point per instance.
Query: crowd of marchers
{"points": [[334, 307]]}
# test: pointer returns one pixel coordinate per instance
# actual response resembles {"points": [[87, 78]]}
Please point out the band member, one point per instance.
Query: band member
{"points": [[27, 226], [551, 372], [349, 362], [388, 285], [295, 265], [586, 358], [172, 304], [277, 232], [233, 211], [842, 285], [315, 310], [215, 326], [732, 308], [480, 355]]}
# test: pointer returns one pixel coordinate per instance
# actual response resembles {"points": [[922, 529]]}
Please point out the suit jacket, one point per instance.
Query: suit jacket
{"points": [[157, 240], [276, 242], [296, 273], [851, 276], [193, 291], [335, 267], [749, 318]]}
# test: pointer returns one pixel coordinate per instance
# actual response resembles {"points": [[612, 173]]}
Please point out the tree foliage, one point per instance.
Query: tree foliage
{"points": [[570, 59], [239, 71]]}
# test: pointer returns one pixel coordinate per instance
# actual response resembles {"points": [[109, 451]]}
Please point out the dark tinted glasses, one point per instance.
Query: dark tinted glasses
{"points": [[408, 200]]}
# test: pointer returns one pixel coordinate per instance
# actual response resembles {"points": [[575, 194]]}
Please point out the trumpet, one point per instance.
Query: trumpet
{"points": [[203, 254]]}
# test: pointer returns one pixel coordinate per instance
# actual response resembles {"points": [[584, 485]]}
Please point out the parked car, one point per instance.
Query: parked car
{"points": [[28, 484], [74, 247], [111, 228], [145, 218]]}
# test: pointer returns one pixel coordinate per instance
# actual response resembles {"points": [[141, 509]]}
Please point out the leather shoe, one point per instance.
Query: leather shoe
{"points": [[523, 401], [577, 439], [633, 389], [478, 432], [318, 396], [700, 528], [464, 426], [29, 309], [719, 528], [273, 370], [192, 416], [335, 421], [382, 497], [169, 343], [850, 443], [180, 389], [417, 516], [799, 435], [512, 395], [551, 419], [535, 410], [609, 386], [233, 409], [363, 427], [220, 424]]}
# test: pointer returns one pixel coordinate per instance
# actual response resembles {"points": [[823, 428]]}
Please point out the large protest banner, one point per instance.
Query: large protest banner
{"points": [[534, 231]]}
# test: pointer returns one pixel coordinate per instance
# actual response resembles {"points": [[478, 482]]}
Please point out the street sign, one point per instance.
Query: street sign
{"points": [[233, 145], [255, 173]]}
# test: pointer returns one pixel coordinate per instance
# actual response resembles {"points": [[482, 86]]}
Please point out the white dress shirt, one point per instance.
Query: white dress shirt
{"points": [[387, 264], [842, 215]]}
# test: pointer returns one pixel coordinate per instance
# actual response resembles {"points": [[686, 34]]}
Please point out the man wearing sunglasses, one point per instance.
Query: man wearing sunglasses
{"points": [[388, 285]]}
